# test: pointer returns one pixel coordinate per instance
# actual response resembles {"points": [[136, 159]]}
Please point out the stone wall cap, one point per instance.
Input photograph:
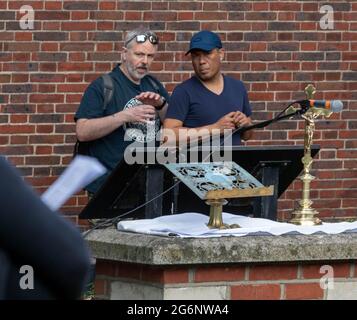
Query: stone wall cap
{"points": [[111, 244]]}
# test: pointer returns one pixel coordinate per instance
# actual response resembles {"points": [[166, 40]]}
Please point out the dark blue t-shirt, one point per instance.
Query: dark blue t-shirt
{"points": [[196, 106], [109, 150]]}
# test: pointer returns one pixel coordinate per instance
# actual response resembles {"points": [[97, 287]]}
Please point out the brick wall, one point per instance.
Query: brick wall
{"points": [[275, 47], [231, 282]]}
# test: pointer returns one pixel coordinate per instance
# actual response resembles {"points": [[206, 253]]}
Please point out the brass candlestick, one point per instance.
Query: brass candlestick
{"points": [[305, 215]]}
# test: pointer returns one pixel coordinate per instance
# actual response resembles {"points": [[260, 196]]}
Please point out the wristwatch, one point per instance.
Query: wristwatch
{"points": [[163, 103]]}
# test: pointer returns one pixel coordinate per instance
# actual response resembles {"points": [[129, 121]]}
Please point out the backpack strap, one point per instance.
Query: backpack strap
{"points": [[154, 82], [108, 89], [82, 147]]}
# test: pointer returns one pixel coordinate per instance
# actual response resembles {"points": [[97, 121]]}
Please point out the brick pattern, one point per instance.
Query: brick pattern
{"points": [[244, 282], [275, 47]]}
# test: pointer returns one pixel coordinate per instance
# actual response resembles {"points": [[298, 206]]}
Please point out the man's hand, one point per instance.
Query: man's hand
{"points": [[241, 120], [150, 98], [141, 113], [226, 122]]}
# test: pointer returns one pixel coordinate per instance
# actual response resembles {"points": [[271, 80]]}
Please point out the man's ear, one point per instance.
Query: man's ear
{"points": [[123, 54], [221, 53]]}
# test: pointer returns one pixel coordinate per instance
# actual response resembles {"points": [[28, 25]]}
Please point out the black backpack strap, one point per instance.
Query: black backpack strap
{"points": [[82, 147], [154, 82], [108, 89]]}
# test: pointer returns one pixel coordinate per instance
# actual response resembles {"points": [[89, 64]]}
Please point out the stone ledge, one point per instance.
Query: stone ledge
{"points": [[110, 244]]}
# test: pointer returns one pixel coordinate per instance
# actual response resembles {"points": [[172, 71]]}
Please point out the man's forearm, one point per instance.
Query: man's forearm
{"points": [[92, 129], [162, 112], [189, 135]]}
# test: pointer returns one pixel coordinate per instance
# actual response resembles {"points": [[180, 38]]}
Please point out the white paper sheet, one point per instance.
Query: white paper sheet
{"points": [[80, 172], [188, 225]]}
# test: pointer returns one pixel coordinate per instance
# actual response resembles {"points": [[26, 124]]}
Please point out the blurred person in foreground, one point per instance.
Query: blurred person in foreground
{"points": [[42, 255]]}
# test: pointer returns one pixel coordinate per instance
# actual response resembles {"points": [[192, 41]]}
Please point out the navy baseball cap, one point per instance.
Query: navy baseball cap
{"points": [[205, 40]]}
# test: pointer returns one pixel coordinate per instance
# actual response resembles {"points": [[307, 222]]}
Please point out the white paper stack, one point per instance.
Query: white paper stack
{"points": [[80, 172]]}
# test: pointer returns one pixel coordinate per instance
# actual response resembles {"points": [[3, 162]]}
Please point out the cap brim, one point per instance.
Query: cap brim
{"points": [[201, 47]]}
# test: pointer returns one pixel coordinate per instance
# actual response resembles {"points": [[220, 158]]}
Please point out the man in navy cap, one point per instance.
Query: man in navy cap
{"points": [[209, 100]]}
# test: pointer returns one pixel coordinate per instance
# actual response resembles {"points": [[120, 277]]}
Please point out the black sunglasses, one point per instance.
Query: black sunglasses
{"points": [[141, 38]]}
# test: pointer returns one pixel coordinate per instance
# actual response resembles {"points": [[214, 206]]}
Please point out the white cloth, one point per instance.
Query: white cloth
{"points": [[194, 225]]}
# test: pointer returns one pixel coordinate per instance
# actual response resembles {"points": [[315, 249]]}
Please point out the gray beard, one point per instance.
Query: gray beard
{"points": [[135, 74]]}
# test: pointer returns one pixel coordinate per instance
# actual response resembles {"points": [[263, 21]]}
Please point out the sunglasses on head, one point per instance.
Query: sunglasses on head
{"points": [[141, 38]]}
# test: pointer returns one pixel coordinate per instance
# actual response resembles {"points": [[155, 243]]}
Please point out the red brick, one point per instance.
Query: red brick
{"points": [[49, 46], [209, 6], [101, 287], [256, 292], [160, 275], [18, 139], [175, 276], [18, 4], [23, 36], [40, 181], [133, 15], [307, 46], [276, 272], [285, 6], [160, 16], [261, 6], [44, 150], [82, 201], [67, 66], [258, 47], [209, 25], [21, 46], [215, 274], [5, 140], [107, 5], [77, 15], [71, 26], [44, 128], [283, 76], [261, 96], [259, 86], [46, 139], [9, 129], [104, 47], [73, 98], [295, 291], [160, 5], [127, 270], [349, 203], [53, 5], [35, 98], [16, 150], [288, 16], [129, 5], [211, 16], [105, 268], [71, 87], [18, 118]]}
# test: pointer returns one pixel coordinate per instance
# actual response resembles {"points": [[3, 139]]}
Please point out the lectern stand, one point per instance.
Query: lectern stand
{"points": [[129, 187]]}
